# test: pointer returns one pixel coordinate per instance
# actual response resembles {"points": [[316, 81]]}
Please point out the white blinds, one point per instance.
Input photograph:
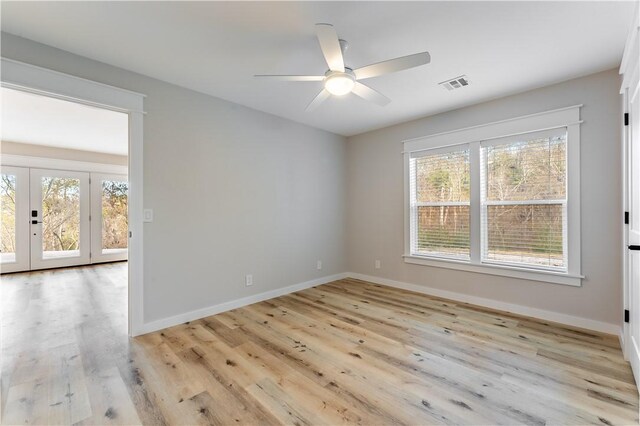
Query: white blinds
{"points": [[439, 187], [524, 198]]}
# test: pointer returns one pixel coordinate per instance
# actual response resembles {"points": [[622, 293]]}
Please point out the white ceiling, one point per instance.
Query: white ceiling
{"points": [[40, 120], [217, 47]]}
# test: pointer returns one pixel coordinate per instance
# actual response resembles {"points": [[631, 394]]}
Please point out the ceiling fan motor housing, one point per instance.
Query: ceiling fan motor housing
{"points": [[339, 83]]}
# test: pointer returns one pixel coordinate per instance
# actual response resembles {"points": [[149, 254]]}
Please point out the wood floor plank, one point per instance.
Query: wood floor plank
{"points": [[26, 403], [110, 402], [185, 384], [327, 405], [233, 403], [347, 352], [68, 397]]}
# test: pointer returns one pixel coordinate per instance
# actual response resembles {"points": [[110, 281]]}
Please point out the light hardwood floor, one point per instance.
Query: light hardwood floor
{"points": [[344, 352]]}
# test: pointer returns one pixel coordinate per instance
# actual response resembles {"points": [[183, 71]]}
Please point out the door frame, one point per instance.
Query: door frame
{"points": [[33, 79]]}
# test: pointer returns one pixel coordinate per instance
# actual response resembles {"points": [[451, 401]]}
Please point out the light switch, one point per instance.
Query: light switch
{"points": [[147, 215]]}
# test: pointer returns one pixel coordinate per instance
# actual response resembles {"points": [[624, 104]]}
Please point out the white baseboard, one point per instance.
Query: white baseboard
{"points": [[232, 304], [574, 321], [634, 359], [459, 297]]}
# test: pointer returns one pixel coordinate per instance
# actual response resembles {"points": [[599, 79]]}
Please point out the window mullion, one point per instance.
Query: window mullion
{"points": [[475, 227]]}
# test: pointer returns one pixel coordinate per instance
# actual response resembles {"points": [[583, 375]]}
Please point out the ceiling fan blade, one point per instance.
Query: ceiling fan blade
{"points": [[292, 77], [393, 65], [322, 96], [330, 46], [367, 93]]}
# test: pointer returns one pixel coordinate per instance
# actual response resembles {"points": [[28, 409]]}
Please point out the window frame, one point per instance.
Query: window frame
{"points": [[485, 203], [415, 204], [569, 118]]}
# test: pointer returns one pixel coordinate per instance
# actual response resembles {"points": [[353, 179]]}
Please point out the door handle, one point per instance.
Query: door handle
{"points": [[634, 247], [35, 222]]}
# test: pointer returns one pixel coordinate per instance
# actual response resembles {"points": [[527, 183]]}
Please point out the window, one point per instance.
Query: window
{"points": [[440, 203], [502, 198], [524, 200]]}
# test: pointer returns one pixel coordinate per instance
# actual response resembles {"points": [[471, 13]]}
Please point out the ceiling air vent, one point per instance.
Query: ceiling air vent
{"points": [[455, 83]]}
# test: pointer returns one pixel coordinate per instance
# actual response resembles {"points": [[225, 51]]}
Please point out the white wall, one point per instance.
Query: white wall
{"points": [[31, 150], [375, 209], [234, 191]]}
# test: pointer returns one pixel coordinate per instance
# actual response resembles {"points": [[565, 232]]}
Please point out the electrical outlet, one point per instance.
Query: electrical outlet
{"points": [[248, 280], [377, 263], [319, 265]]}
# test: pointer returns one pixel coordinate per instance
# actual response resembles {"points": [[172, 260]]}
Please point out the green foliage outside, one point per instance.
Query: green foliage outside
{"points": [[7, 213], [531, 170], [114, 214], [60, 214]]}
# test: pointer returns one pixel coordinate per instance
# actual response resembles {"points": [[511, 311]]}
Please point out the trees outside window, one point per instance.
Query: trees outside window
{"points": [[114, 214], [442, 203], [8, 214], [60, 214], [524, 201]]}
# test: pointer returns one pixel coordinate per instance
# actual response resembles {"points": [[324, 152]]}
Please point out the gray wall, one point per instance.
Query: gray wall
{"points": [[375, 209], [237, 191], [32, 150], [234, 191]]}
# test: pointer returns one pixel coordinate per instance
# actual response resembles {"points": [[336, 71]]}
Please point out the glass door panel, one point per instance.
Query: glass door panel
{"points": [[60, 218], [109, 224], [14, 220], [8, 212]]}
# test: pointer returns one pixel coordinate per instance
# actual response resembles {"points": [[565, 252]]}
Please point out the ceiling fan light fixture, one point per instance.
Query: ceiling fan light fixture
{"points": [[340, 80], [339, 83]]}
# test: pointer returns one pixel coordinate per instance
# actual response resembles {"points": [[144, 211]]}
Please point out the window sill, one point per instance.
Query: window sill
{"points": [[502, 270]]}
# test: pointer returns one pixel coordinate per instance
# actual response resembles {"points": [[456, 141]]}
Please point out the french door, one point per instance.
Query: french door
{"points": [[109, 226], [14, 208], [57, 218]]}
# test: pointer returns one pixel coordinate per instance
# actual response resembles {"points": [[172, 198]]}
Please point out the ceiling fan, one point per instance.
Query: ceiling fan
{"points": [[340, 79]]}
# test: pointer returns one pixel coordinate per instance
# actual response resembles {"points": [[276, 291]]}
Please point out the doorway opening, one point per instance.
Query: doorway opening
{"points": [[72, 212], [63, 203], [71, 179]]}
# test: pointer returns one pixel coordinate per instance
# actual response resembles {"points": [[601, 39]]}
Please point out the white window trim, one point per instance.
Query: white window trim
{"points": [[569, 118]]}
